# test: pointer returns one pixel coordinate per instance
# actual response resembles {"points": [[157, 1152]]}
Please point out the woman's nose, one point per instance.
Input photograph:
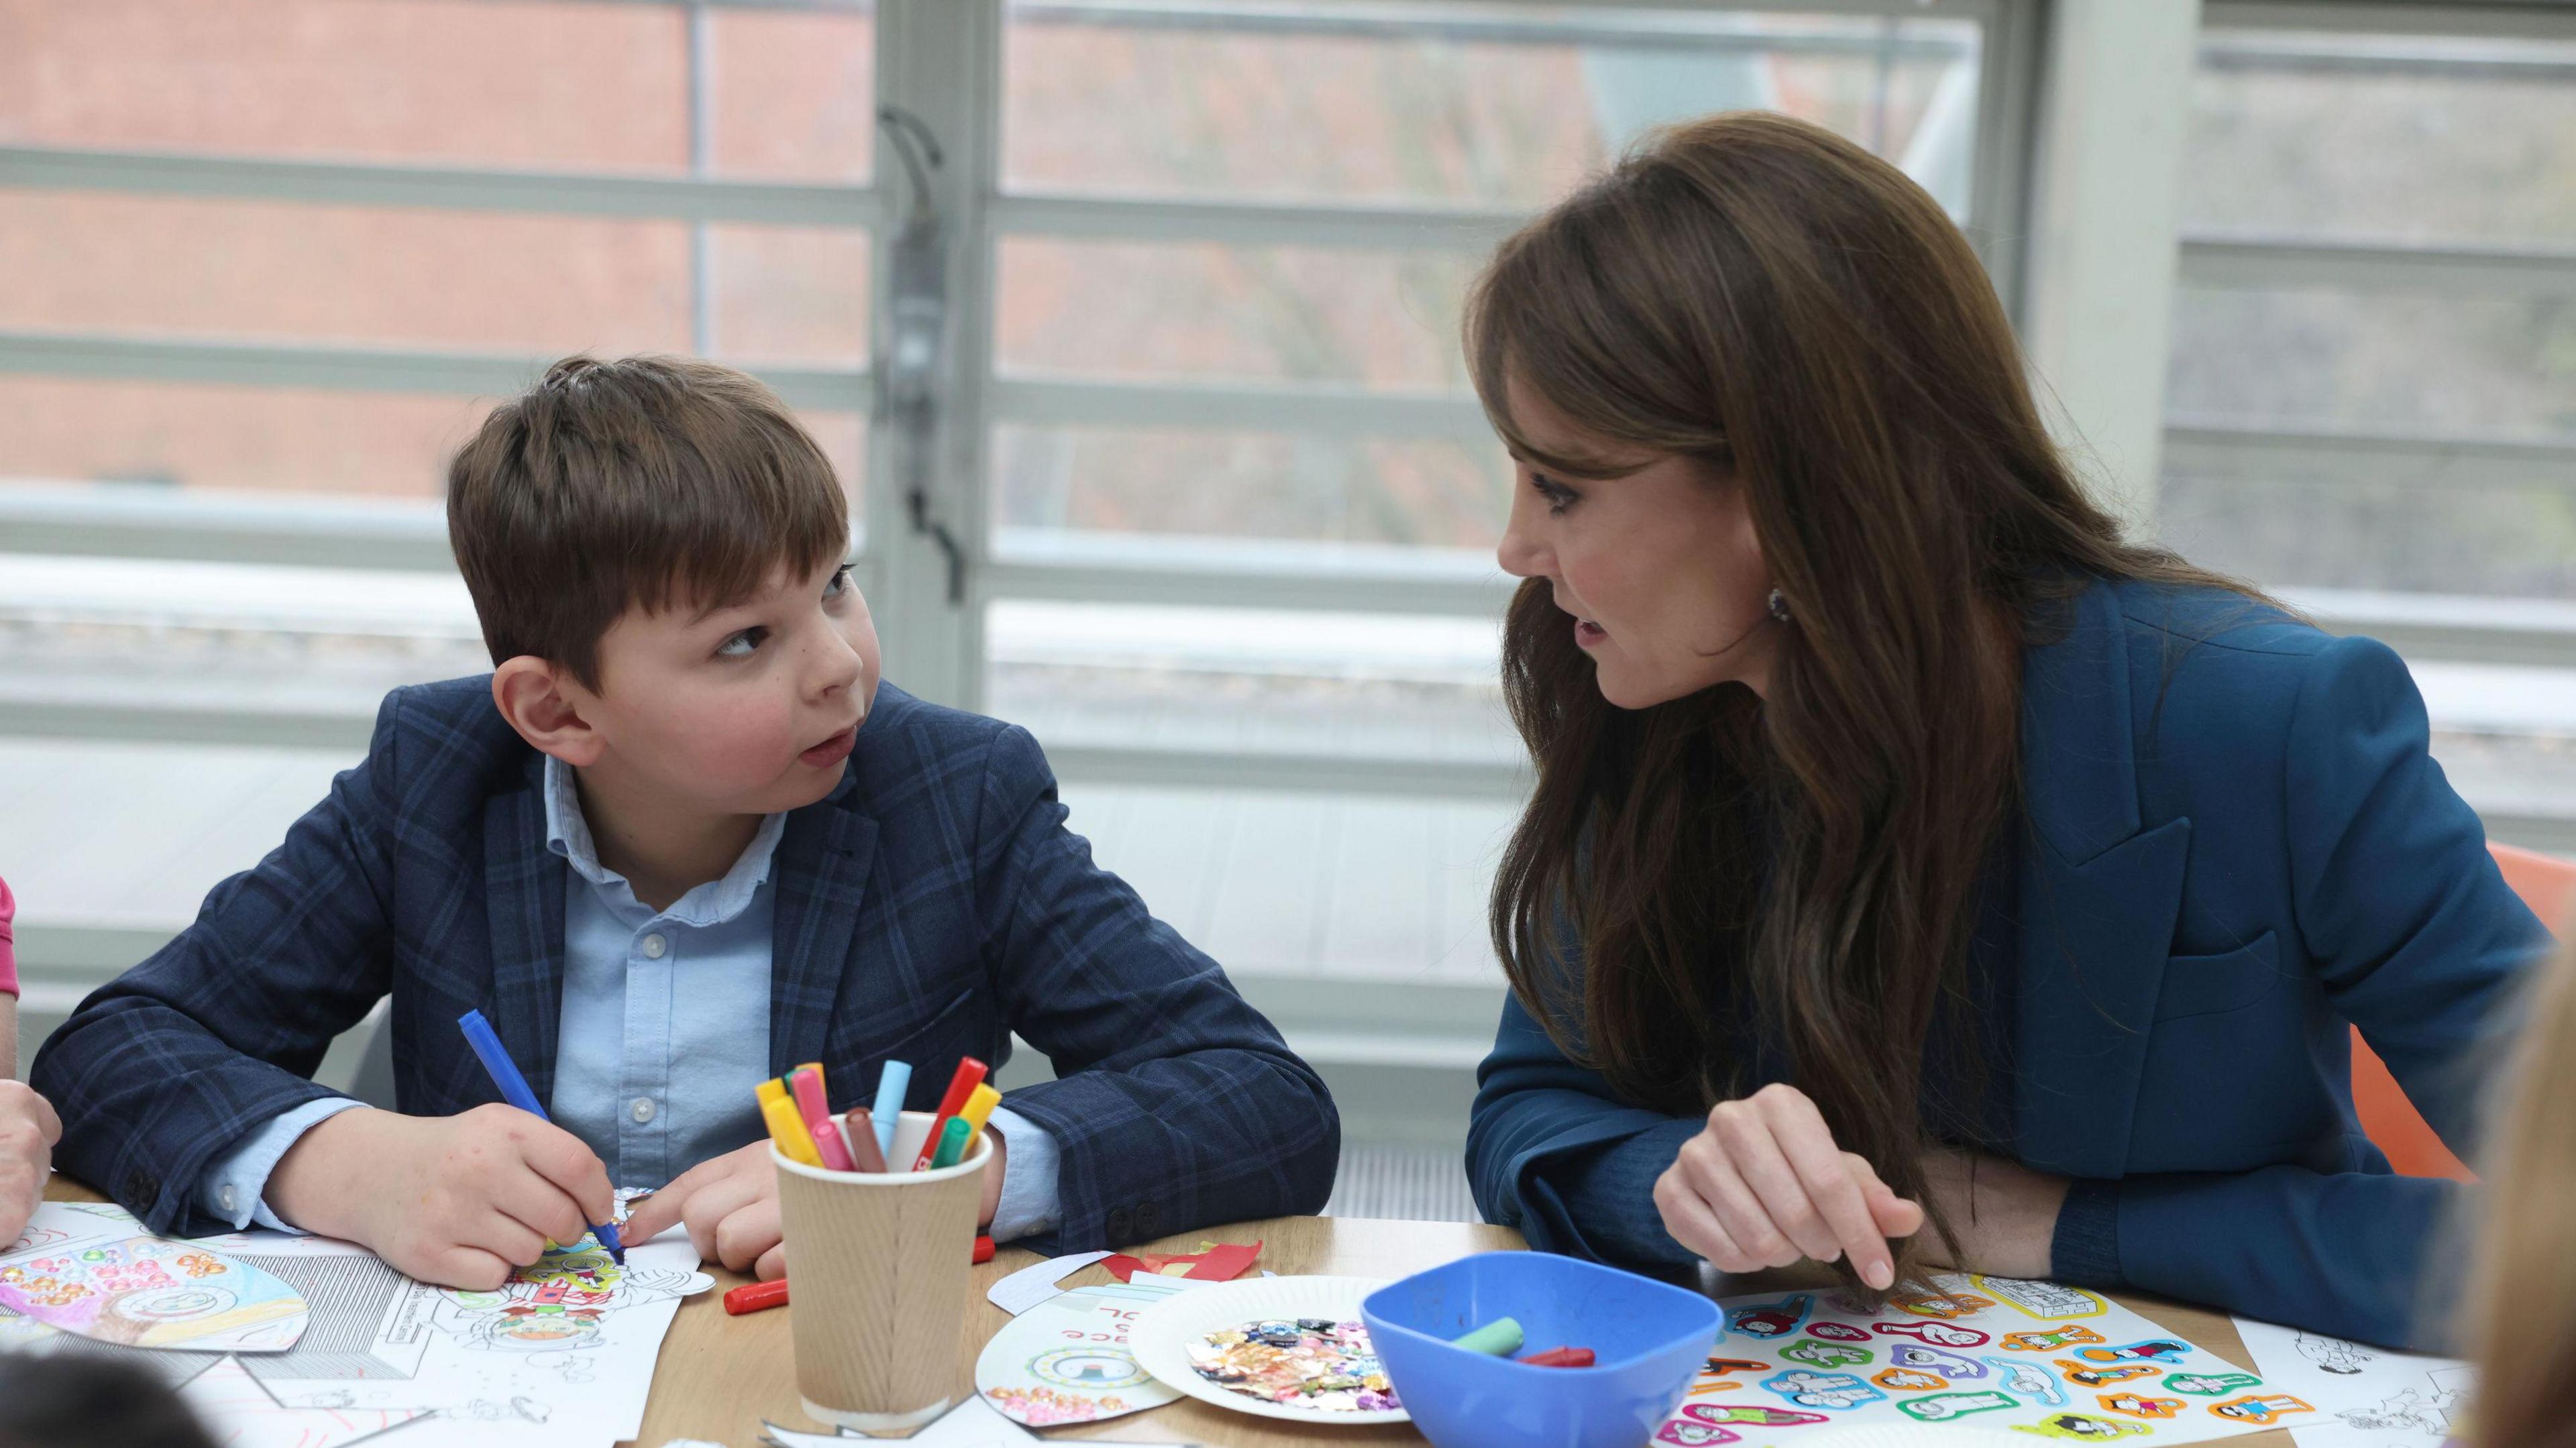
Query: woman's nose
{"points": [[1521, 554]]}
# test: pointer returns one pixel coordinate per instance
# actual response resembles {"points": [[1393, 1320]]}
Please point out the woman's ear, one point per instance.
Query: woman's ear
{"points": [[546, 708]]}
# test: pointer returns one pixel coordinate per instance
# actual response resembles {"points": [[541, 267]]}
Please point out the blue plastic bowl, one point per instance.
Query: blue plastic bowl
{"points": [[1648, 1340]]}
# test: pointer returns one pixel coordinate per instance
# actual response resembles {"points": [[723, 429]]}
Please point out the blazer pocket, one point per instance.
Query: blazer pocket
{"points": [[2210, 985], [936, 1024]]}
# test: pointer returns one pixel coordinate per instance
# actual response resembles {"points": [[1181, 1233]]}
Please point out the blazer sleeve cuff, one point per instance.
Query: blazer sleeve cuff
{"points": [[2084, 1251]]}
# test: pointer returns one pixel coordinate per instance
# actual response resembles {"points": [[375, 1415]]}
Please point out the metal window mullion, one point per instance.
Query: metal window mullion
{"points": [[1063, 402], [2246, 262], [2222, 450], [240, 178]]}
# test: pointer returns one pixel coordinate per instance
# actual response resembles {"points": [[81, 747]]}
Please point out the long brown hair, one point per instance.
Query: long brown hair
{"points": [[2521, 1301], [1762, 296]]}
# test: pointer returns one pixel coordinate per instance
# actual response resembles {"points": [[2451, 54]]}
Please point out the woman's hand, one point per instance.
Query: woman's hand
{"points": [[28, 1131], [2005, 1214], [1764, 1185]]}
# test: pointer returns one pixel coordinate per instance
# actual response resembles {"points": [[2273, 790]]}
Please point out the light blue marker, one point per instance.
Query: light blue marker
{"points": [[892, 1081]]}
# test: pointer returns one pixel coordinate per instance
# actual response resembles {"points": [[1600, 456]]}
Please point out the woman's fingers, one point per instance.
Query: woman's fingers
{"points": [[1752, 1140], [1844, 1213], [1711, 1174], [1691, 1222]]}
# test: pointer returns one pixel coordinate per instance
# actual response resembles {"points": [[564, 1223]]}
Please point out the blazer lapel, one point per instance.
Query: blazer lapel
{"points": [[821, 875], [2099, 900], [523, 891]]}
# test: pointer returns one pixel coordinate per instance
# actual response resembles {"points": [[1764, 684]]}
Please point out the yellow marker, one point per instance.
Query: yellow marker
{"points": [[786, 1128], [979, 1108]]}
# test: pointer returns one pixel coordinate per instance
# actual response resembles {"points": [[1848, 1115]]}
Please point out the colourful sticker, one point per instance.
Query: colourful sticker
{"points": [[1686, 1434], [1825, 1354], [2152, 1350], [154, 1293], [1771, 1319], [2271, 1408], [1934, 1360], [1943, 1333], [1836, 1332], [2079, 1428], [1721, 1366], [2211, 1385], [2134, 1406], [1940, 1304], [2042, 1299], [1907, 1380], [2025, 1377], [1823, 1390], [1942, 1407], [2055, 1341], [1752, 1414], [2091, 1377]]}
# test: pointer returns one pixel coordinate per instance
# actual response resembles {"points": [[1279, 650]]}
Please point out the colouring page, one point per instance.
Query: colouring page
{"points": [[2366, 1397], [562, 1354], [1992, 1353], [239, 1413]]}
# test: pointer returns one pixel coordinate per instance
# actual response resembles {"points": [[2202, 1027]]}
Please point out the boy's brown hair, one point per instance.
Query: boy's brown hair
{"points": [[651, 481]]}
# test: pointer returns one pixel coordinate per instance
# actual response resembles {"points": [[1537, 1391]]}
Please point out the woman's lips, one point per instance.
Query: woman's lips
{"points": [[833, 750], [1587, 633]]}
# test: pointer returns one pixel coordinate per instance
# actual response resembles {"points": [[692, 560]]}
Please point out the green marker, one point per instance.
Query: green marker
{"points": [[1498, 1338], [952, 1143]]}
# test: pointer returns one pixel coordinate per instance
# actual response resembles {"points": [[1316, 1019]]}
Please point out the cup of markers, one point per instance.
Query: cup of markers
{"points": [[879, 1208]]}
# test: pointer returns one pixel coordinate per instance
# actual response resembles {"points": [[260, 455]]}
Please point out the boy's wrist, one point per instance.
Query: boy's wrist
{"points": [[320, 1183]]}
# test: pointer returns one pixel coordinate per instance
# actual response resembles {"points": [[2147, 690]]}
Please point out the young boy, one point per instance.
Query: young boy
{"points": [[679, 841]]}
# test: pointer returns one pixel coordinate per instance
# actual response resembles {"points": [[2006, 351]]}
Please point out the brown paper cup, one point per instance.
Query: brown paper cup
{"points": [[882, 1281]]}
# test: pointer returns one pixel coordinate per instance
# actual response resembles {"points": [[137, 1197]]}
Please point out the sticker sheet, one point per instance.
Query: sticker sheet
{"points": [[2366, 1397], [1066, 1360], [100, 1277], [562, 1354], [2037, 1358]]}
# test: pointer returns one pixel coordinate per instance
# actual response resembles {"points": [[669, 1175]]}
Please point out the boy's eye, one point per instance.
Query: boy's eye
{"points": [[742, 645], [840, 583], [1556, 495]]}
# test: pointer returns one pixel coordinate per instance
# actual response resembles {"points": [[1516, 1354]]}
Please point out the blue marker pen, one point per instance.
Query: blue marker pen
{"points": [[893, 1079], [514, 1089]]}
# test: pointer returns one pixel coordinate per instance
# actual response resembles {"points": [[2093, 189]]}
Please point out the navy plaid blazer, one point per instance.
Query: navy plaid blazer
{"points": [[930, 906]]}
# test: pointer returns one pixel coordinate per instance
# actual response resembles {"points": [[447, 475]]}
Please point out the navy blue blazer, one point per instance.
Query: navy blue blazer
{"points": [[930, 906], [2236, 843]]}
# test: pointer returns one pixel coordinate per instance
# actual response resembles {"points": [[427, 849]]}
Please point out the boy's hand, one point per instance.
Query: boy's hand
{"points": [[455, 1200], [28, 1131], [730, 1204]]}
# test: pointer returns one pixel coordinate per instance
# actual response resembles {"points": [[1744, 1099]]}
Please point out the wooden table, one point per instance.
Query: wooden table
{"points": [[720, 1376]]}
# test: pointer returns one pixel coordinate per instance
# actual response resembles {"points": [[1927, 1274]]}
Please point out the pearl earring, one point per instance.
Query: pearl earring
{"points": [[1779, 606]]}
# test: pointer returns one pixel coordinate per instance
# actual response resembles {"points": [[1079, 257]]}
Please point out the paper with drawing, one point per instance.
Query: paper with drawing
{"points": [[2366, 1397], [561, 1354], [1987, 1352]]}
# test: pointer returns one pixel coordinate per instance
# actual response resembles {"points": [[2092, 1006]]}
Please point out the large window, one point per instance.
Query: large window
{"points": [[2373, 390]]}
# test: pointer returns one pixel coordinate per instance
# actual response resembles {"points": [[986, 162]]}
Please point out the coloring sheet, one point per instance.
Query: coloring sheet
{"points": [[561, 1354], [1065, 1360], [99, 1275], [1987, 1352], [2366, 1397]]}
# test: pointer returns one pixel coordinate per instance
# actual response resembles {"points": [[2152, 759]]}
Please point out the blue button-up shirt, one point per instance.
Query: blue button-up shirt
{"points": [[664, 1034]]}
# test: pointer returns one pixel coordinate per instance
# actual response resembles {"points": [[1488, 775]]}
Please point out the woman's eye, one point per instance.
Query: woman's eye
{"points": [[1557, 496], [742, 645]]}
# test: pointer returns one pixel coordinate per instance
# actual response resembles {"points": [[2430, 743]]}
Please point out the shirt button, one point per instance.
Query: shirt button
{"points": [[653, 947], [232, 1199], [642, 1110]]}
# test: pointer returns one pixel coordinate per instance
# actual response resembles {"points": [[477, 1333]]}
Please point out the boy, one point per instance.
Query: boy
{"points": [[677, 842]]}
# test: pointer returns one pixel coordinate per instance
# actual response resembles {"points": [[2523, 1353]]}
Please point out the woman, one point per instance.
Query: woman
{"points": [[2522, 1293], [28, 1128], [1908, 848]]}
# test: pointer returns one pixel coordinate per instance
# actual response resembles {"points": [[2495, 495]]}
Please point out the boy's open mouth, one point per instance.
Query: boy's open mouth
{"points": [[833, 750]]}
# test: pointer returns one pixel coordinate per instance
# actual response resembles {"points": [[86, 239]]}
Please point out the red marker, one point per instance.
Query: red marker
{"points": [[760, 1296], [970, 1074]]}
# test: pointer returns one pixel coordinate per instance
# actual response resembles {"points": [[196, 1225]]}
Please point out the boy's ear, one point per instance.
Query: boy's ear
{"points": [[545, 707]]}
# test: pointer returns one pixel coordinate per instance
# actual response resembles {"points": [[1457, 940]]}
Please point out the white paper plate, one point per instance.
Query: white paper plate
{"points": [[1162, 1334]]}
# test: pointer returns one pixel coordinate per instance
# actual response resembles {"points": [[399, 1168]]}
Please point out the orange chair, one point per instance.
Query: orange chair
{"points": [[2546, 884]]}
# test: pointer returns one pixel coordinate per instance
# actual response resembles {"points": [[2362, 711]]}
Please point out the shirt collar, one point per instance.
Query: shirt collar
{"points": [[713, 903]]}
